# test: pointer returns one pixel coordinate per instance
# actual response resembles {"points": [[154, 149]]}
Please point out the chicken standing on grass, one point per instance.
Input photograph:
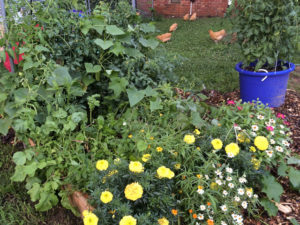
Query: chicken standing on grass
{"points": [[186, 17], [217, 36], [164, 37], [173, 27], [193, 17]]}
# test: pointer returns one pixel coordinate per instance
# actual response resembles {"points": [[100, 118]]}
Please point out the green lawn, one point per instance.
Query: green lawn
{"points": [[207, 63]]}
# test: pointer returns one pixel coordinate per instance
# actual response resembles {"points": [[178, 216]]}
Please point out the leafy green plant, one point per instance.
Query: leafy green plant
{"points": [[266, 31]]}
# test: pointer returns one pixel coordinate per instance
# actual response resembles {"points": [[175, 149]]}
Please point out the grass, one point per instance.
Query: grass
{"points": [[207, 64]]}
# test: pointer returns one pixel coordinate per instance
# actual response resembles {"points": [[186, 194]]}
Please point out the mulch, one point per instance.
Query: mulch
{"points": [[291, 109]]}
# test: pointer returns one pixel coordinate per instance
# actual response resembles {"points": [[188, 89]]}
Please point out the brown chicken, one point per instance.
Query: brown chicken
{"points": [[193, 17], [173, 27], [217, 36], [164, 37], [186, 17]]}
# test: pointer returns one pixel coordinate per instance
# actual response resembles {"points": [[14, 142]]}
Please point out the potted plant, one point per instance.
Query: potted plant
{"points": [[266, 32]]}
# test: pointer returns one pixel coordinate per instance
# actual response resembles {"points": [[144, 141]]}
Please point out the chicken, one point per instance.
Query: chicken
{"points": [[193, 17], [173, 27], [164, 37], [186, 17], [217, 36]]}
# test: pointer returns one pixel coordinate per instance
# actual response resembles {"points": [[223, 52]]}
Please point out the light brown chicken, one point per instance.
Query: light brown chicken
{"points": [[217, 36], [173, 27], [193, 17], [164, 37], [186, 17]]}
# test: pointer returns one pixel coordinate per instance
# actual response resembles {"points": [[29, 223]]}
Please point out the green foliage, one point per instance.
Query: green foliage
{"points": [[266, 30], [269, 206]]}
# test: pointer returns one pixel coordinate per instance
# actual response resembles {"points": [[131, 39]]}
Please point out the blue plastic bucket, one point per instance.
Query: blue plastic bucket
{"points": [[269, 88]]}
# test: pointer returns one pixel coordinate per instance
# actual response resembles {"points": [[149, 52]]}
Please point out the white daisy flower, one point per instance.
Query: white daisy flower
{"points": [[200, 191], [272, 132], [223, 223], [218, 172], [269, 153], [260, 117], [206, 177], [221, 177], [272, 141], [213, 165], [219, 182], [229, 170], [225, 193], [249, 194], [230, 155], [224, 208], [234, 216], [202, 207], [284, 142], [237, 128], [197, 223], [229, 178], [268, 123], [244, 204], [272, 121], [254, 127], [200, 217], [255, 196], [281, 126], [242, 180], [241, 191], [124, 123], [279, 149], [231, 185], [239, 219], [253, 134], [282, 132], [237, 199]]}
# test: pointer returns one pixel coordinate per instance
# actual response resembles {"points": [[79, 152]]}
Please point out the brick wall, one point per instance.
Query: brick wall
{"points": [[201, 7]]}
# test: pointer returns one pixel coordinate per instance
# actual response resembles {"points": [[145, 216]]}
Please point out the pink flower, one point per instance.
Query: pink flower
{"points": [[230, 102], [270, 128], [239, 108], [280, 115], [286, 122]]}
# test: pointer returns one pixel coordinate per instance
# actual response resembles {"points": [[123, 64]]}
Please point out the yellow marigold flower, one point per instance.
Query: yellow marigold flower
{"points": [[163, 221], [198, 148], [247, 140], [159, 149], [151, 138], [199, 176], [133, 191], [102, 165], [128, 220], [90, 219], [217, 144], [175, 154], [136, 167], [146, 157], [249, 190], [85, 213], [142, 131], [232, 149], [161, 114], [197, 132], [130, 135], [164, 172], [261, 143], [241, 138], [106, 197], [177, 166], [189, 139], [149, 146], [252, 149], [214, 186], [200, 187], [256, 163]]}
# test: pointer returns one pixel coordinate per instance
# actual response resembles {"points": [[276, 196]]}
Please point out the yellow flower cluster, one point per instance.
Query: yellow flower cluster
{"points": [[242, 138], [217, 144], [256, 163], [89, 218], [261, 143], [106, 197], [163, 221], [232, 149], [128, 220], [159, 149], [136, 167], [197, 132], [146, 157], [189, 139], [101, 165], [164, 172], [133, 191], [252, 149]]}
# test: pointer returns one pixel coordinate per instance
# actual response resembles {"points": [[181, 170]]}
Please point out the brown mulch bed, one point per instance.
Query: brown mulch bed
{"points": [[291, 109]]}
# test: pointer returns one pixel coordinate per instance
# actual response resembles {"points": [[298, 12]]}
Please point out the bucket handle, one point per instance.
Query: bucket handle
{"points": [[263, 70]]}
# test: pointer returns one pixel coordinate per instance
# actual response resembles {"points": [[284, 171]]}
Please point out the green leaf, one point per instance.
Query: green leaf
{"points": [[90, 68], [103, 44], [147, 28], [46, 202], [294, 160], [98, 25], [133, 52], [30, 169], [294, 221], [282, 169], [150, 92], [40, 48], [27, 65], [118, 85], [19, 158], [272, 188], [150, 43], [19, 174], [61, 77], [155, 105], [141, 145], [3, 97], [269, 206], [135, 96], [294, 176], [114, 30], [21, 95], [4, 125], [34, 192], [118, 49], [60, 114], [196, 120]]}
